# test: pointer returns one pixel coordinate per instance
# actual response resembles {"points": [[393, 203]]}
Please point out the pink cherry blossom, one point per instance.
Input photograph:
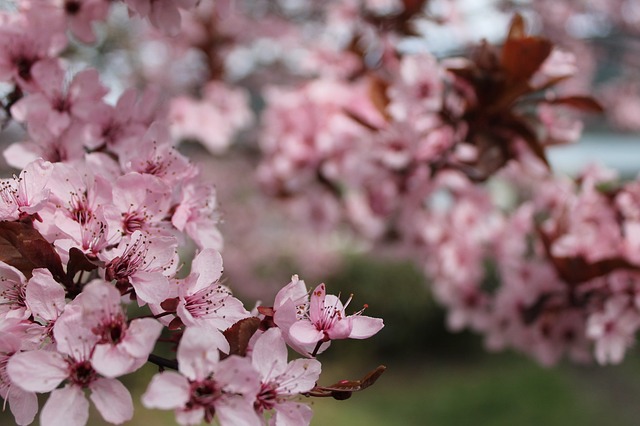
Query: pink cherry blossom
{"points": [[23, 404], [163, 14], [122, 347], [203, 301], [281, 381], [45, 298], [197, 215], [26, 194], [145, 263], [12, 293], [206, 386], [613, 329], [42, 371], [215, 119], [327, 321], [57, 103], [26, 39]]}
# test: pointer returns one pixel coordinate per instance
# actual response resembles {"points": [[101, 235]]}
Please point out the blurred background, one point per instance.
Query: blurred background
{"points": [[433, 377]]}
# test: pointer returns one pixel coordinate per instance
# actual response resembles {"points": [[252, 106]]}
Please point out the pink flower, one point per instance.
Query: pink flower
{"points": [[290, 306], [80, 14], [203, 301], [163, 14], [141, 202], [25, 40], [45, 298], [145, 263], [327, 321], [197, 215], [154, 155], [42, 371], [215, 119], [56, 104], [12, 293], [23, 404], [281, 381], [122, 347], [613, 329], [205, 385], [27, 194]]}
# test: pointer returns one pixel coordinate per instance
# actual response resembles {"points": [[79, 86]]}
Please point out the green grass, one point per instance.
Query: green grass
{"points": [[503, 391]]}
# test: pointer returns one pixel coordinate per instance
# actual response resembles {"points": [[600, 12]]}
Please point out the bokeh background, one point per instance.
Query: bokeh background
{"points": [[433, 377]]}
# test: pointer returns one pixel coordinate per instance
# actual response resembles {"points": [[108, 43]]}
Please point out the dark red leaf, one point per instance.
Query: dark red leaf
{"points": [[266, 311], [517, 28], [583, 103], [378, 95], [344, 388], [522, 57], [170, 305], [78, 261], [238, 335], [24, 248], [175, 324], [524, 131]]}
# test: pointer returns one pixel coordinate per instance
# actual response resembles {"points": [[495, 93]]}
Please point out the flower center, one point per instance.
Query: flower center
{"points": [[82, 374], [267, 397]]}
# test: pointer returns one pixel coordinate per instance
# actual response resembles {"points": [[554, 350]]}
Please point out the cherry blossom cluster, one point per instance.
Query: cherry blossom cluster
{"points": [[405, 147], [90, 276], [399, 144], [553, 275]]}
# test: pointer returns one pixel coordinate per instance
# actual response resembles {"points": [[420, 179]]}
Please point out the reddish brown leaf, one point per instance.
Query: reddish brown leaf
{"points": [[78, 261], [175, 324], [344, 388], [583, 103], [24, 248], [170, 305], [517, 28], [238, 335], [378, 95], [522, 57], [266, 311], [529, 136]]}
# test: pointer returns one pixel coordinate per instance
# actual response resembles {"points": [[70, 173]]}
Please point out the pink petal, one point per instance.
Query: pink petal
{"points": [[44, 295], [236, 411], [110, 361], [364, 327], [198, 352], [208, 265], [269, 356], [23, 405], [295, 290], [305, 333], [165, 16], [112, 399], [236, 375], [166, 391], [150, 287], [141, 337], [291, 413], [317, 303], [37, 371], [341, 329], [65, 407], [192, 416], [300, 376]]}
